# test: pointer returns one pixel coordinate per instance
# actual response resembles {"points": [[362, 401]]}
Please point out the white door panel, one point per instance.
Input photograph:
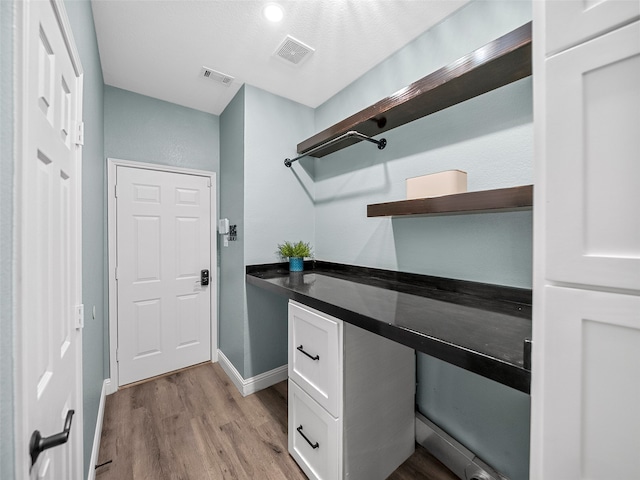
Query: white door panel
{"points": [[571, 22], [592, 420], [593, 172], [49, 265], [163, 242]]}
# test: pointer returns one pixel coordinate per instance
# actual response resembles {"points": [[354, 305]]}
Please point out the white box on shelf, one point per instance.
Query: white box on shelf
{"points": [[437, 184]]}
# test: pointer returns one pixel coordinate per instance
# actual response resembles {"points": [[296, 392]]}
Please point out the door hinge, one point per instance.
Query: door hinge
{"points": [[79, 316], [115, 190], [79, 140], [117, 357], [116, 273], [209, 182]]}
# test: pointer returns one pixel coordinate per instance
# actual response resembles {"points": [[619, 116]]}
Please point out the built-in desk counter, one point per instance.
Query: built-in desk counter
{"points": [[479, 327]]}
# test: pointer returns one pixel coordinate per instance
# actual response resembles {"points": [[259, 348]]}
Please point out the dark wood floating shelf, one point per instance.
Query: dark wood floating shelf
{"points": [[504, 199], [494, 65]]}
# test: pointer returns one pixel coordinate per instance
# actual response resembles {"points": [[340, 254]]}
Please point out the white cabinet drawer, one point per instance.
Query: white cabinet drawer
{"points": [[315, 356], [314, 436]]}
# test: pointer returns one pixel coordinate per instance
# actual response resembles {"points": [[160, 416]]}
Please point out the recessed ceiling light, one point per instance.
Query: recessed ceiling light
{"points": [[273, 12]]}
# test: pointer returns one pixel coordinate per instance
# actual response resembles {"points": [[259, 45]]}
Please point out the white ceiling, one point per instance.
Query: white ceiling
{"points": [[158, 48]]}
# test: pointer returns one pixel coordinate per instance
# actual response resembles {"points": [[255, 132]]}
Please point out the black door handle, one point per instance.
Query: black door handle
{"points": [[39, 444]]}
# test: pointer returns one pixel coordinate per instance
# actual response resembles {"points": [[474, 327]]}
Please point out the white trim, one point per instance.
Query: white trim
{"points": [[20, 123], [111, 387], [67, 34], [98, 433], [112, 164], [253, 384]]}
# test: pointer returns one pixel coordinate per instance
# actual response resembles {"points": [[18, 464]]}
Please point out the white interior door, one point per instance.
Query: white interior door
{"points": [[163, 242], [49, 249]]}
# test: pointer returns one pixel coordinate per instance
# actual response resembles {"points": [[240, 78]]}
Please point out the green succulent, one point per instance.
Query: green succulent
{"points": [[299, 249]]}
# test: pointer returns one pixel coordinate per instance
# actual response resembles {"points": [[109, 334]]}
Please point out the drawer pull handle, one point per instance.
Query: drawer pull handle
{"points": [[313, 445], [301, 348]]}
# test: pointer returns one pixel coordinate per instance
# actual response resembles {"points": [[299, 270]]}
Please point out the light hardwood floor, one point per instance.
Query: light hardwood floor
{"points": [[194, 424]]}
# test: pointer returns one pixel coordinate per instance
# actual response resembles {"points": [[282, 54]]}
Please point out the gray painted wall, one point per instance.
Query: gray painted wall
{"points": [[93, 231], [490, 137], [491, 419], [269, 203], [149, 130], [6, 241], [278, 201], [232, 285], [278, 206]]}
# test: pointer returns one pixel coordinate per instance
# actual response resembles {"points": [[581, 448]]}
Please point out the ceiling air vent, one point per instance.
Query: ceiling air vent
{"points": [[293, 50], [218, 77]]}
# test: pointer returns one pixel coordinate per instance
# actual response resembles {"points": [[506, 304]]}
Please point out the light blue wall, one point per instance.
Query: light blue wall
{"points": [[279, 201], [490, 137], [146, 129], [93, 231], [278, 206], [269, 203], [231, 322], [439, 46], [6, 241], [492, 420]]}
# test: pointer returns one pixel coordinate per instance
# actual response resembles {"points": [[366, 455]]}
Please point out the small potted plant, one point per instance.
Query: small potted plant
{"points": [[296, 253]]}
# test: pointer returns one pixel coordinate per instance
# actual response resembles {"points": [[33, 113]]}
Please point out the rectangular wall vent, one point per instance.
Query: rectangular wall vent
{"points": [[216, 76], [293, 50]]}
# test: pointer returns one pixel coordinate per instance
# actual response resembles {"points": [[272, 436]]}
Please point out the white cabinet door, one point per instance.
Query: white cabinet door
{"points": [[570, 22], [163, 242], [591, 389], [592, 162]]}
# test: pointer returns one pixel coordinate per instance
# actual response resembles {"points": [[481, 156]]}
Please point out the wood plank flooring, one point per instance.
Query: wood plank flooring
{"points": [[194, 424]]}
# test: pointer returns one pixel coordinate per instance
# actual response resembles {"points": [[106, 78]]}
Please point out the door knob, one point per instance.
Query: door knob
{"points": [[39, 444]]}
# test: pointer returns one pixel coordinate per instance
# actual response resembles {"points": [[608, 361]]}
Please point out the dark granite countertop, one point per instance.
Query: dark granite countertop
{"points": [[479, 327]]}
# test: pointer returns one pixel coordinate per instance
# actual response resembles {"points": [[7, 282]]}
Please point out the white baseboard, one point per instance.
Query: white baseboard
{"points": [[106, 385], [112, 387], [253, 384]]}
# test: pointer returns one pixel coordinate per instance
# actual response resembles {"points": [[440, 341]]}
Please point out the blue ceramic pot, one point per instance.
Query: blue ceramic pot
{"points": [[296, 264]]}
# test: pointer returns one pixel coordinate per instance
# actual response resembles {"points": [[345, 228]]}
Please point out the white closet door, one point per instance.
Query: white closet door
{"points": [[593, 169], [163, 242], [571, 22], [591, 395], [49, 249]]}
